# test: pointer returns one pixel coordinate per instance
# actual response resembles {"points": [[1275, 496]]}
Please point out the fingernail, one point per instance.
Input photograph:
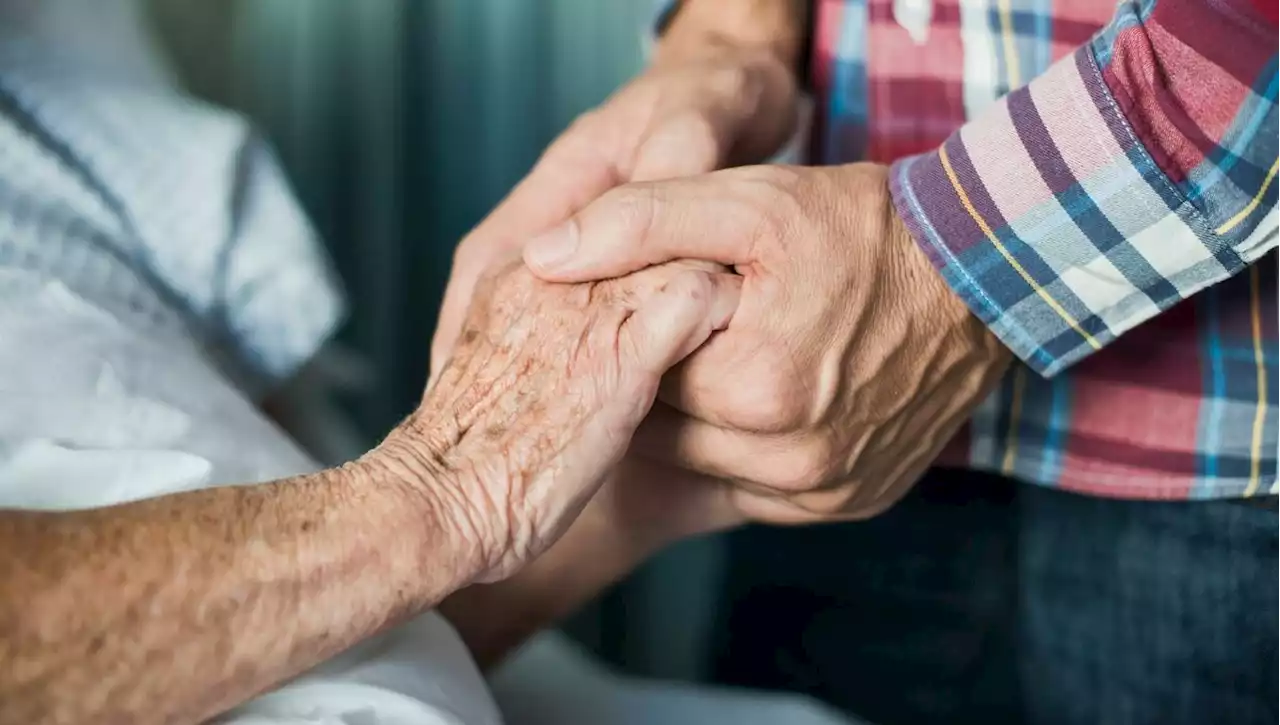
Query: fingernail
{"points": [[552, 249]]}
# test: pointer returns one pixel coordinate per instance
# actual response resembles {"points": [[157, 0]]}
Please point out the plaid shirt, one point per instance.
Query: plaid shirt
{"points": [[1098, 184]]}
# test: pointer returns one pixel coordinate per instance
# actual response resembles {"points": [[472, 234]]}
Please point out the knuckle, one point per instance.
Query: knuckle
{"points": [[508, 288], [672, 278], [691, 284], [781, 405], [769, 204], [774, 179], [772, 403]]}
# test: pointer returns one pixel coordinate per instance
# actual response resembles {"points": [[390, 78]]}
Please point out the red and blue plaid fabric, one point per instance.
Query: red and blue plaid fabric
{"points": [[1098, 183]]}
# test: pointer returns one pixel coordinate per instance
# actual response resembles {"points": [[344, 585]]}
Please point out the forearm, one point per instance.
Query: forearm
{"points": [[176, 608], [779, 26]]}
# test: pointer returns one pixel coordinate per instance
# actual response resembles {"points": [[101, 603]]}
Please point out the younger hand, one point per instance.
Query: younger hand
{"points": [[849, 363]]}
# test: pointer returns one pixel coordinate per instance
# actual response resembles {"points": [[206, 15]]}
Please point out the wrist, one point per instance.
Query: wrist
{"points": [[425, 508], [621, 539], [923, 276]]}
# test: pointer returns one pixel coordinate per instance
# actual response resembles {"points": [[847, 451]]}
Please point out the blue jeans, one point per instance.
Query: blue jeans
{"points": [[980, 600]]}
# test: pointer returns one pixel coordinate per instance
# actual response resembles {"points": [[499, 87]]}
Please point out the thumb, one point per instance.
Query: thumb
{"points": [[685, 145], [639, 225], [678, 319]]}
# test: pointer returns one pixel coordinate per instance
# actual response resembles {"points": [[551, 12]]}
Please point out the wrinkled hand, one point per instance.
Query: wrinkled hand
{"points": [[849, 363], [700, 107], [542, 394]]}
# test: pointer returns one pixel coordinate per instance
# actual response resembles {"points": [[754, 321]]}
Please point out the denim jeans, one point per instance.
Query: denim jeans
{"points": [[980, 600]]}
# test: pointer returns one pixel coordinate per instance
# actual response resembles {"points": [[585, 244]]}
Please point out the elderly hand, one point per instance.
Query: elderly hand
{"points": [[703, 105], [849, 362], [541, 397]]}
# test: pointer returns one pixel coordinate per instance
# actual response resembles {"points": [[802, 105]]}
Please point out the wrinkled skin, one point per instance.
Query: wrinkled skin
{"points": [[849, 363], [543, 392]]}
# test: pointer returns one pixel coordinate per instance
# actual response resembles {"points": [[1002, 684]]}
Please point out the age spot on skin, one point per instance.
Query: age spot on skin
{"points": [[96, 644]]}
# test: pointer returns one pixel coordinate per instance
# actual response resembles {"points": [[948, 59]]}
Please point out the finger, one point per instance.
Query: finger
{"points": [[678, 318], [639, 225], [666, 327], [767, 473], [744, 379], [631, 291], [686, 145], [673, 438], [766, 465], [783, 510], [727, 113]]}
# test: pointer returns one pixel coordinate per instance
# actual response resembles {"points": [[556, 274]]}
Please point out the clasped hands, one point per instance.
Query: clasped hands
{"points": [[829, 363]]}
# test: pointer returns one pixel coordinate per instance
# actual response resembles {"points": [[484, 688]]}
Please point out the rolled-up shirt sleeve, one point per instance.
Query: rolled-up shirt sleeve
{"points": [[1135, 172]]}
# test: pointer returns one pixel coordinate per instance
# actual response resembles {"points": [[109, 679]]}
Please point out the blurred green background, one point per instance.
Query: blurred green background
{"points": [[401, 123]]}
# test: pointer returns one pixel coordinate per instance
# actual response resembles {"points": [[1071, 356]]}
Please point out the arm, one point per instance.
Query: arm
{"points": [[1156, 141], [176, 608]]}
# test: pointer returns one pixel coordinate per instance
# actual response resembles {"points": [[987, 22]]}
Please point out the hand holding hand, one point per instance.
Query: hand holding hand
{"points": [[541, 397], [702, 106], [849, 363]]}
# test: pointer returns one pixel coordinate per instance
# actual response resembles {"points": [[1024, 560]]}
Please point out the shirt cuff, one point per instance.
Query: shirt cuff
{"points": [[1050, 219]]}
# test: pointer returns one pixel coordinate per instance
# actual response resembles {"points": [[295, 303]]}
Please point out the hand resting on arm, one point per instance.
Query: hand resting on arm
{"points": [[176, 608]]}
